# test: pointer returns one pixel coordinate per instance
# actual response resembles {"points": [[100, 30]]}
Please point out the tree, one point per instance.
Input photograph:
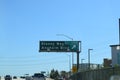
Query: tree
{"points": [[54, 74], [63, 73]]}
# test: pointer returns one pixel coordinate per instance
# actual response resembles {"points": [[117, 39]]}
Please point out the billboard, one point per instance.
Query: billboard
{"points": [[59, 46]]}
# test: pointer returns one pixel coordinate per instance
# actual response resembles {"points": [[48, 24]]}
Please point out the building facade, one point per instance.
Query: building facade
{"points": [[85, 66], [115, 50], [107, 63]]}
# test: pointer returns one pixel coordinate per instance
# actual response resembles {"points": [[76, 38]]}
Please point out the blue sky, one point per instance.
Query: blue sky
{"points": [[23, 23]]}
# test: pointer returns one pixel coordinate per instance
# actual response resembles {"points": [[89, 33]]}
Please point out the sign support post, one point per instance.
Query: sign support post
{"points": [[78, 52], [78, 61]]}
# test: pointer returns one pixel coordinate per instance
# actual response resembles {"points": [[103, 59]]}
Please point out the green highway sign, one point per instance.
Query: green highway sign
{"points": [[59, 46]]}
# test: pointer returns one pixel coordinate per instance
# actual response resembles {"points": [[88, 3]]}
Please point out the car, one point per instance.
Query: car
{"points": [[22, 77], [14, 77], [38, 76], [60, 79], [8, 77], [28, 78]]}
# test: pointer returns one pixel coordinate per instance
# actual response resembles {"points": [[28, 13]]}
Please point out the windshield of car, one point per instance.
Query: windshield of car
{"points": [[38, 75]]}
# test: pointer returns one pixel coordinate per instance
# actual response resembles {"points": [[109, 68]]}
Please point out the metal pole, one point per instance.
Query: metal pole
{"points": [[69, 61], [82, 60], [70, 64], [78, 57], [89, 58], [119, 31], [72, 59], [82, 63], [77, 61], [70, 39]]}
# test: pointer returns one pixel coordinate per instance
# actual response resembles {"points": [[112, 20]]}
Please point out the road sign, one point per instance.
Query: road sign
{"points": [[59, 46], [74, 69]]}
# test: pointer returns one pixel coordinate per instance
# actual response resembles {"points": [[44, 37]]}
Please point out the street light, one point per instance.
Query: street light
{"points": [[82, 65], [70, 39], [69, 61], [82, 60], [65, 36], [89, 58], [118, 47]]}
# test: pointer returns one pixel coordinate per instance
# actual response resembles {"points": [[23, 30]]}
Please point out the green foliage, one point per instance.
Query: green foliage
{"points": [[54, 74], [116, 65], [63, 73]]}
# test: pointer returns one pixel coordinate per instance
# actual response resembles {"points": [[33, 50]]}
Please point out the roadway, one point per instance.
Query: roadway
{"points": [[18, 78]]}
